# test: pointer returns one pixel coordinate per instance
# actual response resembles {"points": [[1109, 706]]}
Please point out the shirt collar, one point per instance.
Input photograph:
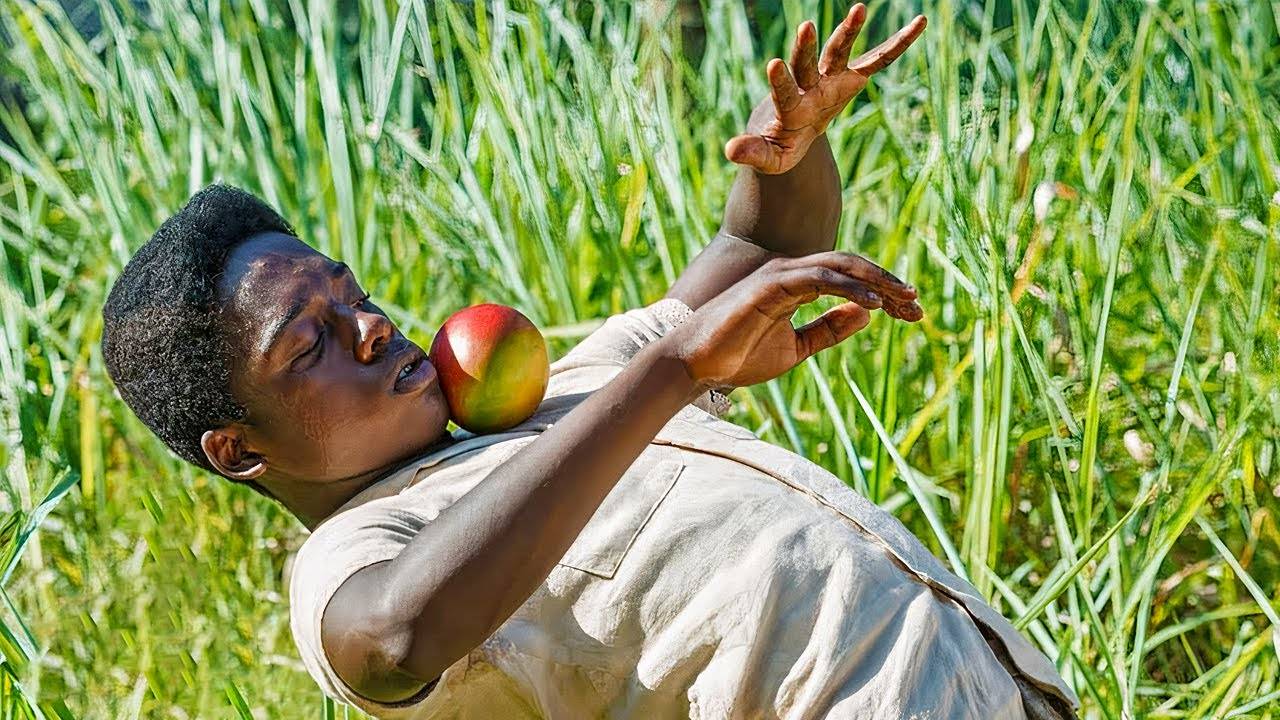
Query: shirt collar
{"points": [[464, 441]]}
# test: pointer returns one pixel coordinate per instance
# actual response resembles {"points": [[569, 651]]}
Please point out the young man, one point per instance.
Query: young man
{"points": [[622, 553]]}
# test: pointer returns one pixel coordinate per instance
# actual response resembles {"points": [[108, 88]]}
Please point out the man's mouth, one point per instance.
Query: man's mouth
{"points": [[415, 373]]}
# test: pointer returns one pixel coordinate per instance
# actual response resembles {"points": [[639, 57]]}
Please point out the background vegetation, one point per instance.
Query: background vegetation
{"points": [[1085, 425]]}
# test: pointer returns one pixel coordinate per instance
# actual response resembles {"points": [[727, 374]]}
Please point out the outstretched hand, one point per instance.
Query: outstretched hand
{"points": [[812, 91]]}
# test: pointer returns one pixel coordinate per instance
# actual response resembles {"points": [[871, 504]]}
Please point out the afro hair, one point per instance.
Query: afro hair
{"points": [[162, 338]]}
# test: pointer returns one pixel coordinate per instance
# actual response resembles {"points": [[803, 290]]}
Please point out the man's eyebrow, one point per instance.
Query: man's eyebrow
{"points": [[336, 270], [278, 326]]}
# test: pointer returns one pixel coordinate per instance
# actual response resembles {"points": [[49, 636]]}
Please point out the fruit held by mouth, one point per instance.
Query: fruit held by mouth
{"points": [[492, 365]]}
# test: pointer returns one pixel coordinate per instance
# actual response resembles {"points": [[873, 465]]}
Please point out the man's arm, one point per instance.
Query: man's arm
{"points": [[786, 197], [792, 213], [396, 625]]}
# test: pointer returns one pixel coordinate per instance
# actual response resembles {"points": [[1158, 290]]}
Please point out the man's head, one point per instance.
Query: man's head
{"points": [[254, 356]]}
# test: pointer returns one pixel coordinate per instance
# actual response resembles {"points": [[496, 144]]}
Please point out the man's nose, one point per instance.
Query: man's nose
{"points": [[375, 334]]}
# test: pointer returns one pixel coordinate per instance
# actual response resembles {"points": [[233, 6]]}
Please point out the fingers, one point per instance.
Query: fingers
{"points": [[754, 151], [857, 267], [804, 55], [835, 54], [871, 285], [830, 328], [880, 56], [798, 286], [909, 311], [787, 285], [783, 87]]}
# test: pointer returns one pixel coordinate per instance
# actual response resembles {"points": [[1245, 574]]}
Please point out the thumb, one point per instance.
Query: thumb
{"points": [[831, 327], [750, 150]]}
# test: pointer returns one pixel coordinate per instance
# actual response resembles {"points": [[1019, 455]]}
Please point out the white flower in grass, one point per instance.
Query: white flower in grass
{"points": [[1139, 449], [1191, 416], [1044, 194], [1026, 135]]}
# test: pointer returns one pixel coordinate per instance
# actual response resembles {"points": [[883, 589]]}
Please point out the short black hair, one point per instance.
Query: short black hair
{"points": [[162, 335]]}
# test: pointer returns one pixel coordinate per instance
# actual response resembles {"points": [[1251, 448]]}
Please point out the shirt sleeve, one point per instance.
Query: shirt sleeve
{"points": [[340, 546], [615, 342]]}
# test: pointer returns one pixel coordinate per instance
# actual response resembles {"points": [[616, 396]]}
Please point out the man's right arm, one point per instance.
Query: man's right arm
{"points": [[394, 626]]}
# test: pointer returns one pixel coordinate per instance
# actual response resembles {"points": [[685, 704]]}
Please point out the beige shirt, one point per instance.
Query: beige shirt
{"points": [[722, 577]]}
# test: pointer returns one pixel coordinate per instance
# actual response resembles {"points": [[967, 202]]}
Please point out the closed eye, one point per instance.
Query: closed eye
{"points": [[316, 350]]}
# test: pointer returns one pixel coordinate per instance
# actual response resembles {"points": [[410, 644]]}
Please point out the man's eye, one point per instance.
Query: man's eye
{"points": [[316, 350]]}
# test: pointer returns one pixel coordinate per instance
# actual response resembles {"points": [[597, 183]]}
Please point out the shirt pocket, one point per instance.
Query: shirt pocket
{"points": [[612, 531]]}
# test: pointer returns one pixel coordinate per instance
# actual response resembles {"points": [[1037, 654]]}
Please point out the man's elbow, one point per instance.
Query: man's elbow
{"points": [[371, 655], [376, 675]]}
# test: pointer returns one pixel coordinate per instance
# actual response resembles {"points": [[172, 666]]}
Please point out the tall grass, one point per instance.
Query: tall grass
{"points": [[1087, 194]]}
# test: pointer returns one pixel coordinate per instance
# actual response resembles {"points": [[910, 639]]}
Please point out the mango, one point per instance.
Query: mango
{"points": [[492, 365]]}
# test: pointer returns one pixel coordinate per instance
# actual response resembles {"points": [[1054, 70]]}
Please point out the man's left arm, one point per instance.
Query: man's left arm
{"points": [[792, 213], [786, 197]]}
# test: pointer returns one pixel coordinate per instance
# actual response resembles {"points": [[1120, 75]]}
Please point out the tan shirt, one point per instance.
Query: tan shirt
{"points": [[722, 577]]}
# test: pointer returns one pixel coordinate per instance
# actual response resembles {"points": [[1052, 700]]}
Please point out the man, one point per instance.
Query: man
{"points": [[622, 553]]}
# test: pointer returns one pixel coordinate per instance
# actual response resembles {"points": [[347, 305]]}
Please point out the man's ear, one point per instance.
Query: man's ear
{"points": [[226, 452]]}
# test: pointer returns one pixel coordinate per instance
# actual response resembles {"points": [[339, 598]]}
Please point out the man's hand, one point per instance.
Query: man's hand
{"points": [[813, 91], [744, 335]]}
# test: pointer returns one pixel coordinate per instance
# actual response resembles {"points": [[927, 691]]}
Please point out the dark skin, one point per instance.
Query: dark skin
{"points": [[322, 427], [323, 421], [785, 156]]}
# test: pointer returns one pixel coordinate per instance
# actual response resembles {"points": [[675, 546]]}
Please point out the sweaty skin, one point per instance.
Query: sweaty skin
{"points": [[323, 420]]}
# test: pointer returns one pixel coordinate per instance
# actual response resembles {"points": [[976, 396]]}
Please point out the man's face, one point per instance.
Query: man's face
{"points": [[332, 388]]}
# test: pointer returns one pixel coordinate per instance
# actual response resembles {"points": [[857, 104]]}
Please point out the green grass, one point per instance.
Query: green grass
{"points": [[1086, 424]]}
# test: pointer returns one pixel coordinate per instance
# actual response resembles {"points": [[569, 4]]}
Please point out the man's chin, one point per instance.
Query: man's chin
{"points": [[436, 426]]}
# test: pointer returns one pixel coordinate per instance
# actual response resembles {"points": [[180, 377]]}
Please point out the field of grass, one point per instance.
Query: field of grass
{"points": [[1087, 194]]}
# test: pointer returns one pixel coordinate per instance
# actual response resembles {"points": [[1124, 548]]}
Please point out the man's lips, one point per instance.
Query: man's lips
{"points": [[413, 371]]}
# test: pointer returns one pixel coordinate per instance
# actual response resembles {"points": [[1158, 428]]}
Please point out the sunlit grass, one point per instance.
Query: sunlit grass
{"points": [[1085, 424]]}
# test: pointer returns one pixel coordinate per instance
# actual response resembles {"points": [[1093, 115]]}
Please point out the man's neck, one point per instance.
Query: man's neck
{"points": [[313, 502]]}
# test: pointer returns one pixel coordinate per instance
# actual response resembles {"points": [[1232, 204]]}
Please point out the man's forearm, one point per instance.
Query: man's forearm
{"points": [[471, 568], [793, 213]]}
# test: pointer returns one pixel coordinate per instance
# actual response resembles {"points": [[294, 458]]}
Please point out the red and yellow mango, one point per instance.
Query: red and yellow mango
{"points": [[493, 367]]}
